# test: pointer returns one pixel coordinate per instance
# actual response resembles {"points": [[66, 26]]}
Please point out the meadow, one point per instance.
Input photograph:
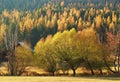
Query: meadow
{"points": [[58, 79]]}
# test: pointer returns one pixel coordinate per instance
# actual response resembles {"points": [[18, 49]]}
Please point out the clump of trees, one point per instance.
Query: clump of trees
{"points": [[71, 49], [50, 19]]}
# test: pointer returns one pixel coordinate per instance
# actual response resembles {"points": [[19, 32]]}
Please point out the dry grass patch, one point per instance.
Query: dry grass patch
{"points": [[59, 79]]}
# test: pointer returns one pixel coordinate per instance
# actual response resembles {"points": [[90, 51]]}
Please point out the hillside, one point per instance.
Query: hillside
{"points": [[34, 4]]}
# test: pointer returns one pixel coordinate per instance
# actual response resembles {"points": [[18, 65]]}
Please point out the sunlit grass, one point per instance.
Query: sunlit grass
{"points": [[59, 79], [56, 78]]}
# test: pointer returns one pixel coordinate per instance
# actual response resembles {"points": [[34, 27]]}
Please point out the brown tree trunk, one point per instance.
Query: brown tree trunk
{"points": [[118, 64], [74, 72], [101, 71], [91, 69], [11, 66], [115, 63], [107, 65], [53, 73]]}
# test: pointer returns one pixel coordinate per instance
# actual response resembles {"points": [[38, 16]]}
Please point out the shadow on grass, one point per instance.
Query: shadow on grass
{"points": [[101, 77], [110, 78]]}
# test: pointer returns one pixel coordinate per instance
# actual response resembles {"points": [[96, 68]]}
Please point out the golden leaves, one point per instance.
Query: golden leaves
{"points": [[108, 20], [28, 22], [92, 11], [2, 30], [88, 32], [80, 24], [98, 21], [111, 26], [62, 3], [62, 25], [5, 13], [114, 18]]}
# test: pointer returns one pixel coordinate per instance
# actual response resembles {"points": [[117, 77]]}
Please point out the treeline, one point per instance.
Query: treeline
{"points": [[64, 36], [35, 4], [71, 50], [49, 19]]}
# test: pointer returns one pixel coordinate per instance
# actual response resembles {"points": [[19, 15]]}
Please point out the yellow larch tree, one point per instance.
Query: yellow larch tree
{"points": [[98, 21]]}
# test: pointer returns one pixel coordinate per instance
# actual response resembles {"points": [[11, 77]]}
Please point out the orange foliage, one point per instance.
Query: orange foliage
{"points": [[112, 40], [98, 21]]}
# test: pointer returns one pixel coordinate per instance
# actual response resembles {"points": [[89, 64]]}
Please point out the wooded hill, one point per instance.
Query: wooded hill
{"points": [[35, 4]]}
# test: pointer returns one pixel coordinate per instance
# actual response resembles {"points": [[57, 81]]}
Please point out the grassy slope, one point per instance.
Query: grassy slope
{"points": [[58, 79]]}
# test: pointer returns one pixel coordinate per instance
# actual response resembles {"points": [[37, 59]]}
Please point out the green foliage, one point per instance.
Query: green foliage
{"points": [[45, 56], [24, 57], [66, 49]]}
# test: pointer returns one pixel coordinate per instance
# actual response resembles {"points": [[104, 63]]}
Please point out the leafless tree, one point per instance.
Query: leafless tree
{"points": [[11, 41]]}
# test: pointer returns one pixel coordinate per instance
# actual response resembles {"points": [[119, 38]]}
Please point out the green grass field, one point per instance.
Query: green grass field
{"points": [[58, 79]]}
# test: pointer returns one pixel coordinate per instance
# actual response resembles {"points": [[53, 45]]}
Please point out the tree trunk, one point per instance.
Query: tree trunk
{"points": [[101, 71], [53, 73], [104, 59], [115, 63], [11, 67], [91, 69], [63, 72], [118, 64], [92, 72], [74, 72]]}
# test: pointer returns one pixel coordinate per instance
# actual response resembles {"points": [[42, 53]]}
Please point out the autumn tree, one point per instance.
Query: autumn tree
{"points": [[17, 57], [23, 58], [45, 56], [90, 49], [11, 41], [66, 49], [114, 49]]}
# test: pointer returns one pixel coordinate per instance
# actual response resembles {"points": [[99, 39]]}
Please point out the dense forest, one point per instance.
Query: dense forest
{"points": [[63, 35], [35, 4]]}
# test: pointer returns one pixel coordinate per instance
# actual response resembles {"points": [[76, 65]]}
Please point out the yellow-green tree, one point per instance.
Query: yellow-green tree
{"points": [[66, 49], [89, 49], [45, 56], [23, 58]]}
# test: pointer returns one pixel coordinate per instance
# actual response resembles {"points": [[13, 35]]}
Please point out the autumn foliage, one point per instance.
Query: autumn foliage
{"points": [[64, 35]]}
